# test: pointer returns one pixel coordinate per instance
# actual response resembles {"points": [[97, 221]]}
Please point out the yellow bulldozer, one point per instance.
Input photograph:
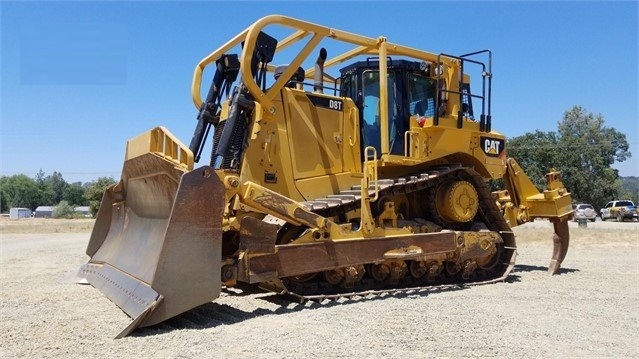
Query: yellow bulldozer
{"points": [[321, 183]]}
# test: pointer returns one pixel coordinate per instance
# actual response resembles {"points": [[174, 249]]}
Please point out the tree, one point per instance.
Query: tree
{"points": [[587, 152], [63, 210], [630, 189], [53, 188], [74, 194], [18, 191], [536, 153], [40, 177], [94, 191], [583, 150]]}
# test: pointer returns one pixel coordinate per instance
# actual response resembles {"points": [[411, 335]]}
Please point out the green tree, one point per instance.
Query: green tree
{"points": [[18, 191], [582, 149], [74, 194], [45, 192], [39, 178], [587, 150], [94, 192], [630, 189], [63, 210], [54, 187], [536, 153]]}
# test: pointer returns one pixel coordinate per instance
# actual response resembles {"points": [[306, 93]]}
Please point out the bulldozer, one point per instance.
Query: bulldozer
{"points": [[354, 174]]}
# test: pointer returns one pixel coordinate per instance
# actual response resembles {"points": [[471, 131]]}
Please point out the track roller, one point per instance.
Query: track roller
{"points": [[419, 269], [346, 277]]}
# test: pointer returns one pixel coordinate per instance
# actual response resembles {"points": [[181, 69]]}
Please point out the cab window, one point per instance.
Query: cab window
{"points": [[421, 95], [348, 87], [371, 135]]}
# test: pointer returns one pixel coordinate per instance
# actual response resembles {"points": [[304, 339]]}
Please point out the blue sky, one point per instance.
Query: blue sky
{"points": [[80, 78]]}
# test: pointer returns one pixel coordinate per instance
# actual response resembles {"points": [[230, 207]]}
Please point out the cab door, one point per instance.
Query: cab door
{"points": [[370, 124]]}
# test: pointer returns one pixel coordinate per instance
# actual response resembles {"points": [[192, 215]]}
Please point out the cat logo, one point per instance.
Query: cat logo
{"points": [[492, 147]]}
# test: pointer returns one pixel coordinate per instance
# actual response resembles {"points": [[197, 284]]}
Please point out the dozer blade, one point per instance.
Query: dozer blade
{"points": [[561, 239], [156, 246]]}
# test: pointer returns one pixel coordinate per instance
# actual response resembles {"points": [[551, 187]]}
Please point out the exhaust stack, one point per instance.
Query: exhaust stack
{"points": [[318, 79]]}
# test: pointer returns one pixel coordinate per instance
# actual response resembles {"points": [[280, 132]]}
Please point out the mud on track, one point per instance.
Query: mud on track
{"points": [[591, 309]]}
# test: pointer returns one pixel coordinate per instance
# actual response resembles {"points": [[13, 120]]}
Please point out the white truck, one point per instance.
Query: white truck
{"points": [[620, 210]]}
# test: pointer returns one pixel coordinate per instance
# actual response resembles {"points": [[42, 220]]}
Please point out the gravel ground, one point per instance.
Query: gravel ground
{"points": [[590, 309]]}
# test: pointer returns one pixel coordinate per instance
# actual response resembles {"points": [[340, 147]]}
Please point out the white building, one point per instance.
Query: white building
{"points": [[83, 210], [44, 211], [17, 213]]}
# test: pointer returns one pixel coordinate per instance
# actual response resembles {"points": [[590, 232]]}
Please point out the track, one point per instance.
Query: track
{"points": [[422, 186]]}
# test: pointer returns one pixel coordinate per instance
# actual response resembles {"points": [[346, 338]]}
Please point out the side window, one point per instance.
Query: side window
{"points": [[349, 87], [370, 88], [371, 135], [421, 95], [370, 111]]}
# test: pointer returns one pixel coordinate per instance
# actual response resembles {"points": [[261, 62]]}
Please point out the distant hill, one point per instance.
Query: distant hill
{"points": [[629, 188]]}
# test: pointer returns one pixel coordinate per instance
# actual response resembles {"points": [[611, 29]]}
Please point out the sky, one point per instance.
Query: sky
{"points": [[78, 79]]}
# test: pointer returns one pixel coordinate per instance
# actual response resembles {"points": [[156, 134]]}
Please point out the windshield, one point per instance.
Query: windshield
{"points": [[585, 206]]}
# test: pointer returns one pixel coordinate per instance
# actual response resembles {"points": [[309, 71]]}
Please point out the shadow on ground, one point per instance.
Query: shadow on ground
{"points": [[213, 314], [529, 268]]}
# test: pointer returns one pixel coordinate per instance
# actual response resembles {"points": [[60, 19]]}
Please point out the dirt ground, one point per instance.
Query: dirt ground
{"points": [[590, 309], [45, 225]]}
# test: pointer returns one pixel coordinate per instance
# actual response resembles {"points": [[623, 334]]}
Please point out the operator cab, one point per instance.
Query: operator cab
{"points": [[411, 92]]}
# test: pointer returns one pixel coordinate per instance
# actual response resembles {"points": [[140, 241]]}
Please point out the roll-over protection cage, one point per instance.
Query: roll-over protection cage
{"points": [[448, 68]]}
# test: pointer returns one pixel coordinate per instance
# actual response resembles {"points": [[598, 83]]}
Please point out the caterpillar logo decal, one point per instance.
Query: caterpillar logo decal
{"points": [[492, 147], [331, 104]]}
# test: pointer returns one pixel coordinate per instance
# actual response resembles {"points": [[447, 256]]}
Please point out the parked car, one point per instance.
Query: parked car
{"points": [[620, 210], [584, 210]]}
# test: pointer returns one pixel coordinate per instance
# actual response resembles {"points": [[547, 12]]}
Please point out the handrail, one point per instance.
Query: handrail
{"points": [[485, 120], [352, 116], [370, 173], [407, 149], [367, 221]]}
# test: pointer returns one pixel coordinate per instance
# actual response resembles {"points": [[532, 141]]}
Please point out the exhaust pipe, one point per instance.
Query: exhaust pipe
{"points": [[318, 79]]}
